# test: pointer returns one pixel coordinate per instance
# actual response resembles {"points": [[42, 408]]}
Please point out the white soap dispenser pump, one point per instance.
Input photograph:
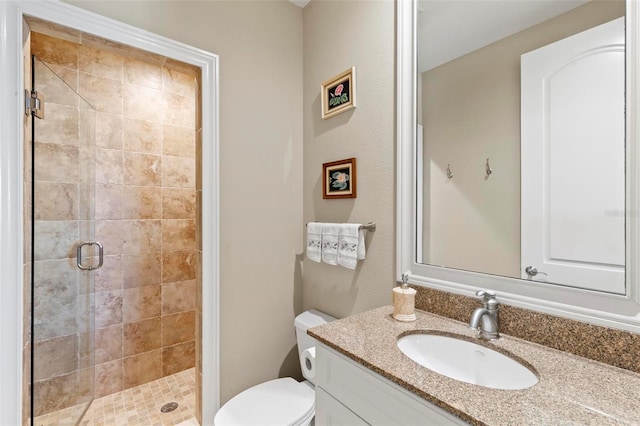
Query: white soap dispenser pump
{"points": [[404, 301]]}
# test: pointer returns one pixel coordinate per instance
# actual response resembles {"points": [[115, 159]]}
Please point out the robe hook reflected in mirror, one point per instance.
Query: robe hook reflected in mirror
{"points": [[487, 169], [449, 174]]}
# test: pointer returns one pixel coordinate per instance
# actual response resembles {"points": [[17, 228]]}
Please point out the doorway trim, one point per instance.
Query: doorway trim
{"points": [[12, 191]]}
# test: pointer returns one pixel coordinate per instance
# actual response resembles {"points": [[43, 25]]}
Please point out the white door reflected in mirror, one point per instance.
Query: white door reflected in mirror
{"points": [[543, 98], [573, 162]]}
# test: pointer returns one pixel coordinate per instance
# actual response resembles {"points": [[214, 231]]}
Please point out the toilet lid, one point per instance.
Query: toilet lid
{"points": [[277, 402]]}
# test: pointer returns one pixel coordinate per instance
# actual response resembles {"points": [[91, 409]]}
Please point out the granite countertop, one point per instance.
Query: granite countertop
{"points": [[572, 390]]}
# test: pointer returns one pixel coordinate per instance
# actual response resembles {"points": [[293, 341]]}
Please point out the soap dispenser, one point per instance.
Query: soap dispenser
{"points": [[404, 301]]}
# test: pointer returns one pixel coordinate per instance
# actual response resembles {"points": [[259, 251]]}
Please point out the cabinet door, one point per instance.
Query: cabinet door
{"points": [[372, 398], [330, 412]]}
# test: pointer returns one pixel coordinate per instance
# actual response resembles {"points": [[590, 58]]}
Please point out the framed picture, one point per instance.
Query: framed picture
{"points": [[339, 179], [339, 93]]}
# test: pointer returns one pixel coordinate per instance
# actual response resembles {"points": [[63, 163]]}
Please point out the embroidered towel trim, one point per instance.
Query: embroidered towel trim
{"points": [[330, 234], [314, 241], [351, 247]]}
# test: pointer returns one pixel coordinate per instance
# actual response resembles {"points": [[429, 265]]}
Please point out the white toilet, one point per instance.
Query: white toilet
{"points": [[280, 402]]}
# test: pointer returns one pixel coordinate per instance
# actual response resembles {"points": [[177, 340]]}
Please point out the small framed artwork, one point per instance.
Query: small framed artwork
{"points": [[339, 179], [339, 93]]}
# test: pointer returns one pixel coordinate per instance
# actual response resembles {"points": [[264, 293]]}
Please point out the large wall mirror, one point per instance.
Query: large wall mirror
{"points": [[517, 152]]}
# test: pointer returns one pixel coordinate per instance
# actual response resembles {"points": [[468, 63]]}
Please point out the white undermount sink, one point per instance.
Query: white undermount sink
{"points": [[466, 361]]}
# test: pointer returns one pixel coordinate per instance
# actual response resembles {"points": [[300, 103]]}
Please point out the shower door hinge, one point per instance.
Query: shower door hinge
{"points": [[34, 103]]}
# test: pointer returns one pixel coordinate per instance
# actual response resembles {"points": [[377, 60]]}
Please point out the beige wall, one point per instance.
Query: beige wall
{"points": [[338, 35], [471, 112], [260, 49]]}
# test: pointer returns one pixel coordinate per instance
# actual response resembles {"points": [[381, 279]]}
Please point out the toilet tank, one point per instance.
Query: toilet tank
{"points": [[305, 321]]}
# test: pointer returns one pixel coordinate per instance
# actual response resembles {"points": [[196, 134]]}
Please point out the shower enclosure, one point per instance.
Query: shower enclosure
{"points": [[114, 210], [64, 249]]}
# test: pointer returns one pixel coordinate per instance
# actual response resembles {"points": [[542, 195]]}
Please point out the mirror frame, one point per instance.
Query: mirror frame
{"points": [[609, 310]]}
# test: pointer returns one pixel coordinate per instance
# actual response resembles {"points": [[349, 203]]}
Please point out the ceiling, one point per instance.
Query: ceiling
{"points": [[448, 29], [301, 3]]}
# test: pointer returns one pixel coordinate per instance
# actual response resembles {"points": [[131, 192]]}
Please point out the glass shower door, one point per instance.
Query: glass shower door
{"points": [[63, 178]]}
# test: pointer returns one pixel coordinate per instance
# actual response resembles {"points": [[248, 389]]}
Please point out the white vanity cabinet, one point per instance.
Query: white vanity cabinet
{"points": [[349, 394]]}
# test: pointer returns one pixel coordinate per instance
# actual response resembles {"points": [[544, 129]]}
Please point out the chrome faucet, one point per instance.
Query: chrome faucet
{"points": [[486, 318]]}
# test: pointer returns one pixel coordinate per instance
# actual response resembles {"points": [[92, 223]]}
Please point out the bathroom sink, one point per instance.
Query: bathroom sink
{"points": [[466, 361]]}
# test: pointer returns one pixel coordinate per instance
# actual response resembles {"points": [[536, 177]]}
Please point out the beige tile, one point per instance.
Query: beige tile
{"points": [[55, 239], [178, 110], [178, 234], [108, 201], [141, 236], [142, 368], [108, 379], [182, 67], [61, 163], [57, 85], [143, 73], [142, 202], [86, 346], [178, 266], [26, 305], [100, 62], [56, 393], [178, 297], [56, 201], [142, 169], [142, 136], [121, 49], [143, 102], [111, 234], [178, 141], [198, 102], [199, 398], [142, 336], [110, 276], [108, 344], [199, 160], [177, 82], [53, 30], [178, 328], [55, 298], [54, 357], [26, 384], [142, 270], [103, 94], [141, 303], [109, 166], [198, 274], [87, 126], [178, 172], [109, 130], [60, 126], [178, 203], [179, 357], [198, 339], [108, 308], [54, 51], [199, 220]]}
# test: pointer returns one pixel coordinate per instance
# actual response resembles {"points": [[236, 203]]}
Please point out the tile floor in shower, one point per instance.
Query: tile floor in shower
{"points": [[138, 406]]}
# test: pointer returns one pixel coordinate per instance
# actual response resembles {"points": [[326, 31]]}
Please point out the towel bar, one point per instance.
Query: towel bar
{"points": [[371, 227]]}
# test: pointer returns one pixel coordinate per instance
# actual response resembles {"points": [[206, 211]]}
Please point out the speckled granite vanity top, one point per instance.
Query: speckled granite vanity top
{"points": [[572, 390]]}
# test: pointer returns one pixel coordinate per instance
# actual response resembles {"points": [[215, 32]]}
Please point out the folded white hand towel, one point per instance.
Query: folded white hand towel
{"points": [[350, 245], [330, 233], [314, 241]]}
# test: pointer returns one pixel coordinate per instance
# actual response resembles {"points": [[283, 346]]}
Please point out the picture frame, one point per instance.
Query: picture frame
{"points": [[339, 179], [339, 93]]}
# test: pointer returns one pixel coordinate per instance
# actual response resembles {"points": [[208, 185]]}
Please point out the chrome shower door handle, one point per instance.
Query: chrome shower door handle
{"points": [[79, 256]]}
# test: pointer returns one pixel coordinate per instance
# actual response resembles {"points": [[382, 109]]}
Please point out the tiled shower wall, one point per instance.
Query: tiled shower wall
{"points": [[145, 210]]}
